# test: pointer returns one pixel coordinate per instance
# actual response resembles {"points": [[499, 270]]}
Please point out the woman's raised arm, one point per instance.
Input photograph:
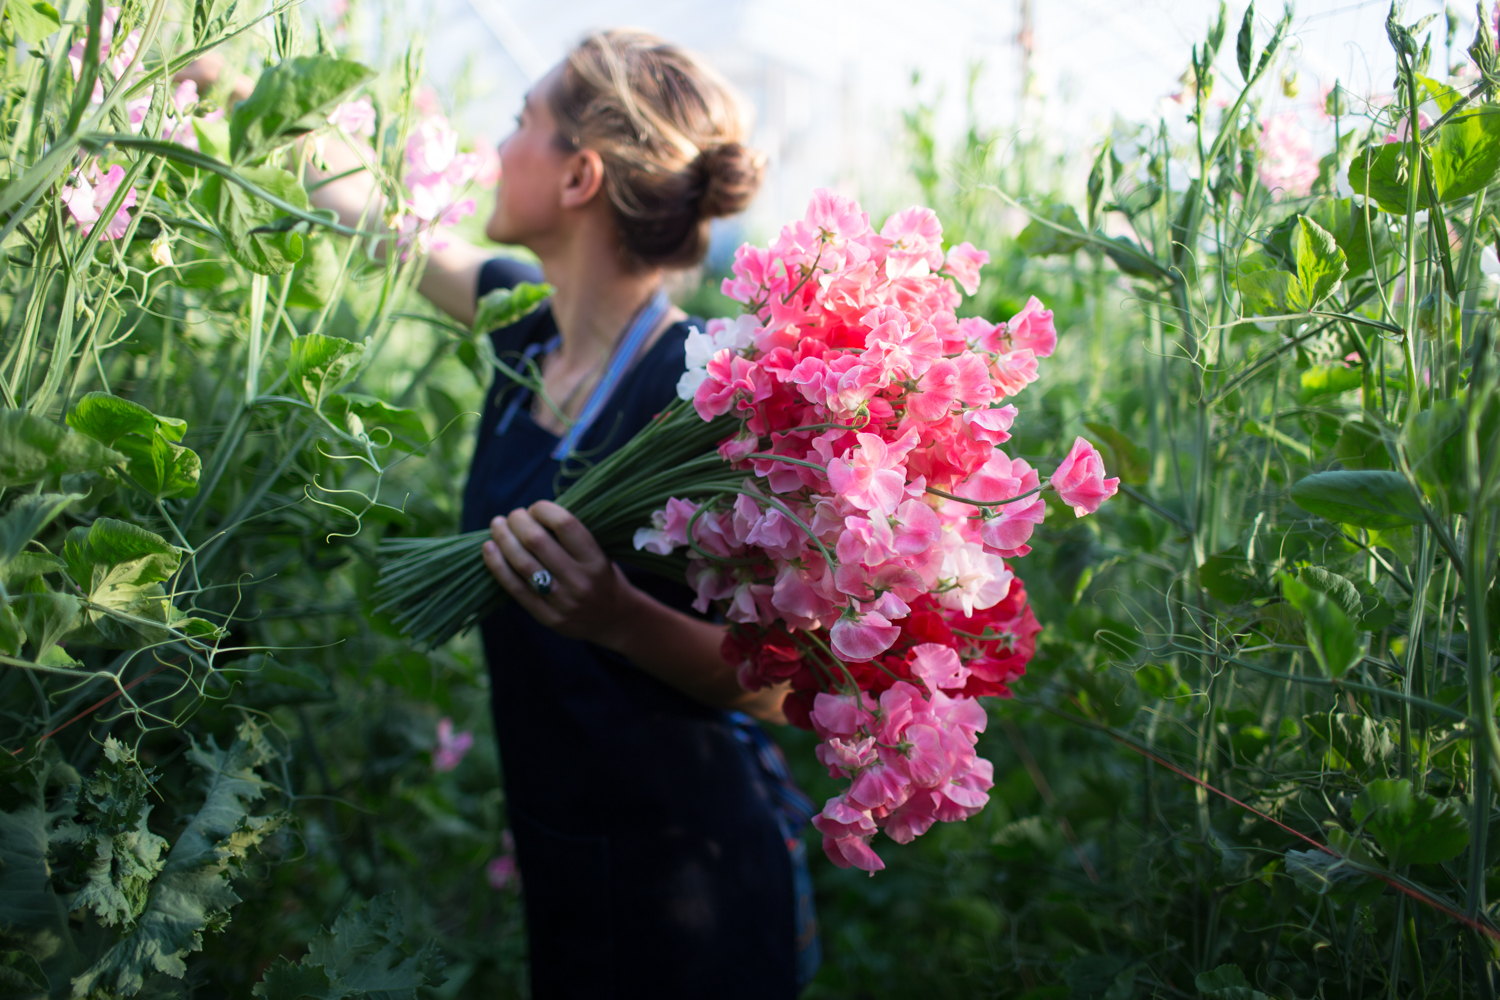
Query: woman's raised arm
{"points": [[451, 277]]}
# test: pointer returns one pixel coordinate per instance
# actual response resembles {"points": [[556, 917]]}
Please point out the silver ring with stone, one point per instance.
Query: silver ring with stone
{"points": [[541, 582]]}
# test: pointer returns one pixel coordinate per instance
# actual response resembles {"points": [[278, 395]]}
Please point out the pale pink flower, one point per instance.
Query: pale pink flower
{"points": [[872, 478], [938, 666], [502, 872], [974, 579], [863, 636], [1403, 128], [451, 746], [86, 202], [846, 834], [355, 117], [1032, 328], [487, 175], [916, 243], [1080, 481], [1287, 164], [963, 264]]}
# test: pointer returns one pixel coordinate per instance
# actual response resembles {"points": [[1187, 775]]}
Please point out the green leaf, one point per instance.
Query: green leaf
{"points": [[318, 365], [162, 468], [366, 954], [1041, 240], [1328, 380], [285, 981], [1330, 633], [1320, 262], [1160, 681], [12, 633], [194, 890], [1132, 463], [1323, 874], [27, 516], [316, 273], [1341, 589], [1226, 982], [264, 682], [18, 967], [1365, 744], [46, 616], [32, 448], [107, 418], [34, 21], [1228, 577], [1465, 158], [1357, 230], [365, 414], [504, 306], [1242, 44], [121, 566], [240, 215], [290, 99], [1370, 499], [111, 851], [1271, 293], [1411, 828], [1361, 446], [155, 461]]}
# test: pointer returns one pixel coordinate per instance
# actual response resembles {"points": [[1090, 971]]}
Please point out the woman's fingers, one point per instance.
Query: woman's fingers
{"points": [[543, 548], [517, 587], [570, 532]]}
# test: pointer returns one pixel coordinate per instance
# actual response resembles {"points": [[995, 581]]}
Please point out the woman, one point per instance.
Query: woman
{"points": [[654, 828]]}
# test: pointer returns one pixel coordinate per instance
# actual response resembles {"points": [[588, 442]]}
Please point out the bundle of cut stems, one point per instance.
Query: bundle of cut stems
{"points": [[435, 588]]}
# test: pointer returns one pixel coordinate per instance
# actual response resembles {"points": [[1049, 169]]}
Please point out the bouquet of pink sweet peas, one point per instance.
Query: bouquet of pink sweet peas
{"points": [[833, 482], [864, 557]]}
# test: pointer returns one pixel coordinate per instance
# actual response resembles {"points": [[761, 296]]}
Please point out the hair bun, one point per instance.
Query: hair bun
{"points": [[731, 175]]}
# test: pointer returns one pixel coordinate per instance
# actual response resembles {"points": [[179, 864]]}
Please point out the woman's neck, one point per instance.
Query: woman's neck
{"points": [[597, 292]]}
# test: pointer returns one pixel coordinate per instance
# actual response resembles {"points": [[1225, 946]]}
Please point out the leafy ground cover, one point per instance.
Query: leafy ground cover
{"points": [[1254, 755]]}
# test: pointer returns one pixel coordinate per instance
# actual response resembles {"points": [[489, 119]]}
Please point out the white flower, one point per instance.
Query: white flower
{"points": [[161, 251], [975, 579]]}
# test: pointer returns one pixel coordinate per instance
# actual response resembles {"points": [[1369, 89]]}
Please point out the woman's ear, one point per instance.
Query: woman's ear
{"points": [[582, 178]]}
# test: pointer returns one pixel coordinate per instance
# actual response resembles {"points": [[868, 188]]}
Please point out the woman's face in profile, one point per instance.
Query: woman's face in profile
{"points": [[532, 163]]}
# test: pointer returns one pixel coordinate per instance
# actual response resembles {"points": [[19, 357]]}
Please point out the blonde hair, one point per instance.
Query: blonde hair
{"points": [[670, 132]]}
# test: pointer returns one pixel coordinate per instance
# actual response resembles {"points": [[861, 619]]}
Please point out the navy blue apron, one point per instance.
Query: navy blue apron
{"points": [[655, 838]]}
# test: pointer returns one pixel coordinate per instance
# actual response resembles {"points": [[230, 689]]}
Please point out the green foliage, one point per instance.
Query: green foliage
{"points": [[1411, 828], [504, 306], [290, 99], [364, 954], [248, 224], [32, 449], [33, 21], [318, 365]]}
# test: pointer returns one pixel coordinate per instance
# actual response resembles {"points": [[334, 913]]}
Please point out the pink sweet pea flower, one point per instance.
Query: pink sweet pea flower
{"points": [[1008, 534], [1033, 329], [916, 238], [1403, 128], [846, 835], [86, 203], [451, 746], [873, 477], [502, 872], [354, 117], [962, 265], [1288, 166], [849, 755], [1080, 481], [938, 666], [863, 637], [990, 425]]}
